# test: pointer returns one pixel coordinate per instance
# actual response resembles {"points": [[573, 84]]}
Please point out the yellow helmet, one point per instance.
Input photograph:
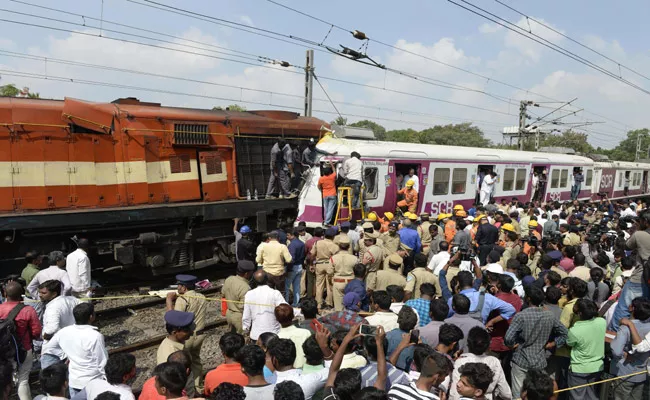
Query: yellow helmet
{"points": [[458, 207], [410, 183], [389, 215], [412, 216], [372, 216], [508, 227], [533, 224], [461, 213]]}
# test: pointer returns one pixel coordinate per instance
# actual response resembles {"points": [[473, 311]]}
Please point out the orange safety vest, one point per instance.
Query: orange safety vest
{"points": [[384, 224], [527, 246], [410, 199]]}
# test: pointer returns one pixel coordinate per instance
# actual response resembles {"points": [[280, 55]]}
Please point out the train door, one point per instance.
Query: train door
{"points": [[106, 171], [155, 192], [214, 167], [539, 182], [402, 173], [644, 183], [477, 181]]}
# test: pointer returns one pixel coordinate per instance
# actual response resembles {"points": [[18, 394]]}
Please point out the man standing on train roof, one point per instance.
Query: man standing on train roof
{"points": [[410, 201], [244, 247], [234, 291], [281, 169], [487, 187], [352, 171], [188, 300], [78, 266], [412, 177]]}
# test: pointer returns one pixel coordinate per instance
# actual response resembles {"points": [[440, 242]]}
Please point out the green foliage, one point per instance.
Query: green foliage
{"points": [[626, 149], [574, 140], [11, 90], [232, 107], [452, 135], [378, 130], [340, 121]]}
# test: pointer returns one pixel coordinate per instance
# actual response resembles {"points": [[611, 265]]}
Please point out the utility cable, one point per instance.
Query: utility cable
{"points": [[326, 94]]}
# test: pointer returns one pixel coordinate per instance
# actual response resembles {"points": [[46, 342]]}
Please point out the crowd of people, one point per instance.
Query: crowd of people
{"points": [[502, 301]]}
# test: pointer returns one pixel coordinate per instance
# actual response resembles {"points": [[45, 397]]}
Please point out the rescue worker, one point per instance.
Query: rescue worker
{"points": [[450, 225], [388, 218], [532, 230], [391, 275], [419, 275], [281, 169], [234, 290], [512, 247], [321, 253], [423, 231], [410, 201], [188, 300], [343, 264], [373, 259]]}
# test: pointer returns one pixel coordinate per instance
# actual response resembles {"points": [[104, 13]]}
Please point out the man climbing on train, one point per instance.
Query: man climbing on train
{"points": [[410, 201], [281, 170]]}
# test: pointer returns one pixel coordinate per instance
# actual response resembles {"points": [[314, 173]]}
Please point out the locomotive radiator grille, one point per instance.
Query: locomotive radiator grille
{"points": [[191, 135]]}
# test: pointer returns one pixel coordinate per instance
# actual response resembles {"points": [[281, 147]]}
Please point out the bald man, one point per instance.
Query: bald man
{"points": [[256, 318]]}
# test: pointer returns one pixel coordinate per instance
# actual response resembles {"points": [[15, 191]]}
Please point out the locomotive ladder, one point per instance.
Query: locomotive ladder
{"points": [[345, 192]]}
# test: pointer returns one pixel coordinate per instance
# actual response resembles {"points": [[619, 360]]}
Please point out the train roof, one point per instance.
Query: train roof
{"points": [[133, 108], [623, 164], [416, 151]]}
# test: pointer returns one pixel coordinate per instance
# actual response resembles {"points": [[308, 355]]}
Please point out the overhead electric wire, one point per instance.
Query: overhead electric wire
{"points": [[487, 78], [571, 39], [538, 39], [326, 94]]}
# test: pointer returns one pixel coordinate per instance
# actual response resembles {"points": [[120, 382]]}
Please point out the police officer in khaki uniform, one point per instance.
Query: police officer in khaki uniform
{"points": [[342, 236], [390, 239], [418, 275], [423, 231], [188, 300], [373, 259], [369, 232], [321, 253], [234, 290], [342, 264], [391, 276]]}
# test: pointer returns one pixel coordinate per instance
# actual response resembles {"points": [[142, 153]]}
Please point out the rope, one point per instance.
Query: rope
{"points": [[599, 382]]}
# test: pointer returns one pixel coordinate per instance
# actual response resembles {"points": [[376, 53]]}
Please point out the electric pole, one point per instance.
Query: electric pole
{"points": [[309, 82], [522, 124], [638, 147]]}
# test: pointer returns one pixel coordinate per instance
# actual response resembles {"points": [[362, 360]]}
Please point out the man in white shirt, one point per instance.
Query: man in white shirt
{"points": [[78, 266], [120, 369], [283, 355], [416, 181], [55, 271], [352, 171], [437, 262], [58, 314], [380, 302], [84, 347], [487, 187], [259, 305]]}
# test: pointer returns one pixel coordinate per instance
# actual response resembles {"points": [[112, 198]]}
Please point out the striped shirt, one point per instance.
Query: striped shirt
{"points": [[409, 392]]}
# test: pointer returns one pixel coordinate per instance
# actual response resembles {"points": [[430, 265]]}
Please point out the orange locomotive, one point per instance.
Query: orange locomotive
{"points": [[151, 186]]}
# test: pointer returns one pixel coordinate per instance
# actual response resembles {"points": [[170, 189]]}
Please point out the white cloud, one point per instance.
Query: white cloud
{"points": [[489, 28], [247, 20]]}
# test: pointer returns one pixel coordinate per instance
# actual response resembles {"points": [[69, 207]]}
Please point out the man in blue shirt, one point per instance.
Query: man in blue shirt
{"points": [[410, 238], [407, 321], [294, 271], [358, 286], [622, 364], [490, 303], [422, 305]]}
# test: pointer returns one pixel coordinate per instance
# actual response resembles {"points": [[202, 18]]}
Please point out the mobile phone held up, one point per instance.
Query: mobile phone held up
{"points": [[368, 330], [415, 336]]}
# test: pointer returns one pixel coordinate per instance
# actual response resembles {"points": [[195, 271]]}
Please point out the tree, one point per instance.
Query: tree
{"points": [[340, 121], [402, 135], [574, 140], [11, 90], [455, 135], [232, 107], [626, 149], [378, 130]]}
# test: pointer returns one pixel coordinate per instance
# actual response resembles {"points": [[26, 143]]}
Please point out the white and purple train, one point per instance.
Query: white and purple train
{"points": [[448, 175]]}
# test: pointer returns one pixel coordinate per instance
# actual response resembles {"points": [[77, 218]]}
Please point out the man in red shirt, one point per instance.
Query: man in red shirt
{"points": [[309, 278], [327, 184], [28, 327], [149, 391], [499, 328], [230, 371]]}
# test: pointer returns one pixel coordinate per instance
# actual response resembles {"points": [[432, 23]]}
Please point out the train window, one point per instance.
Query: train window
{"points": [[441, 181], [180, 164], [459, 181], [590, 176], [564, 178], [520, 182], [508, 179], [370, 178], [555, 178]]}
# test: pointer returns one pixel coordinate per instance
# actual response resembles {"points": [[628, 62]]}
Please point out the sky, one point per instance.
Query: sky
{"points": [[455, 66]]}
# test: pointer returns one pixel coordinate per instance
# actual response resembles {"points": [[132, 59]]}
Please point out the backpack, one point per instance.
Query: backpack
{"points": [[477, 314], [9, 338]]}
